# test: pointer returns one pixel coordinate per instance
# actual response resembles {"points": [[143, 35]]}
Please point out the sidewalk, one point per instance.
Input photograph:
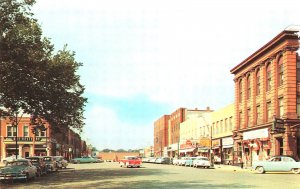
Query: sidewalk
{"points": [[232, 168]]}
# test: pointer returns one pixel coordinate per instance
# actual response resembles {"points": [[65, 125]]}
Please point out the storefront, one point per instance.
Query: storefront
{"points": [[227, 150], [204, 147], [217, 150], [173, 150], [256, 146], [188, 149]]}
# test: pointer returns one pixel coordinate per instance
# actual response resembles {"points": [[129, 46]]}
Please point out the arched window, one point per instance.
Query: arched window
{"points": [[280, 71], [257, 82], [248, 87], [240, 91], [269, 77]]}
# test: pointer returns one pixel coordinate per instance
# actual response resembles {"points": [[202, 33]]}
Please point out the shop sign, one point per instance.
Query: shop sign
{"points": [[227, 141], [204, 142], [260, 133], [173, 147], [216, 143]]}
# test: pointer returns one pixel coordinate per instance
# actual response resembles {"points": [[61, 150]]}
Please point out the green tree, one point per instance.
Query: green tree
{"points": [[33, 79]]}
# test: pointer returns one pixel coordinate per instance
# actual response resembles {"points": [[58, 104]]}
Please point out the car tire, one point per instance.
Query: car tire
{"points": [[260, 170], [296, 170]]}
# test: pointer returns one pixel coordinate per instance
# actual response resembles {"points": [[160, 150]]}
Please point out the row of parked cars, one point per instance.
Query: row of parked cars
{"points": [[31, 167], [198, 161]]}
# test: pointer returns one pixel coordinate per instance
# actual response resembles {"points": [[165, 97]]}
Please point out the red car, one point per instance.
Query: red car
{"points": [[130, 161]]}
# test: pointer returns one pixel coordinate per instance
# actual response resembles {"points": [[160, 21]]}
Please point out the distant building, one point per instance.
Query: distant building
{"points": [[115, 156]]}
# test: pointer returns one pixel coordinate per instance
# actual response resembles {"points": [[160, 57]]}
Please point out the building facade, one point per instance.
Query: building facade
{"points": [[267, 101], [22, 141], [161, 135], [192, 130], [222, 125]]}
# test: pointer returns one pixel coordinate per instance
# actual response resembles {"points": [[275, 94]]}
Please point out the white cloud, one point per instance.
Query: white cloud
{"points": [[106, 130]]}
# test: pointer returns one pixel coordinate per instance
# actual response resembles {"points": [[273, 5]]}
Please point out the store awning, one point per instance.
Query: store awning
{"points": [[187, 150], [227, 146]]}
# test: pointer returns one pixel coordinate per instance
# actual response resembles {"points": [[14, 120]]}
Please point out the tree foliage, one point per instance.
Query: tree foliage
{"points": [[34, 79]]}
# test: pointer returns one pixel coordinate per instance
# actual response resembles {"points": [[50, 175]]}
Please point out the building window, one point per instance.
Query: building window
{"points": [[298, 106], [240, 91], [298, 71], [258, 115], [269, 78], [41, 133], [248, 87], [25, 131], [226, 125], [280, 72], [230, 123], [269, 113], [11, 131], [240, 119], [221, 126], [280, 107], [257, 83], [248, 117]]}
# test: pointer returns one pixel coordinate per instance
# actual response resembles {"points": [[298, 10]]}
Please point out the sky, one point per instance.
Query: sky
{"points": [[143, 59]]}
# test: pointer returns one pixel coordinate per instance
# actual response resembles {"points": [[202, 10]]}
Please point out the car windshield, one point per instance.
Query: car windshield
{"points": [[58, 158], [16, 163]]}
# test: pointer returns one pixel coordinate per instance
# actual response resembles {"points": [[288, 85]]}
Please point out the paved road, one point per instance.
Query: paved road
{"points": [[110, 175]]}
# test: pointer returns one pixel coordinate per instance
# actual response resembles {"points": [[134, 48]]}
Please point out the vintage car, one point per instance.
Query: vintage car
{"points": [[277, 164], [201, 161], [182, 161], [38, 161], [189, 161], [84, 159], [130, 161], [61, 162], [18, 169], [51, 164]]}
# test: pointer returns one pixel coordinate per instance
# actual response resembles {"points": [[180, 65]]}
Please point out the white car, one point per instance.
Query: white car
{"points": [[181, 161], [201, 162]]}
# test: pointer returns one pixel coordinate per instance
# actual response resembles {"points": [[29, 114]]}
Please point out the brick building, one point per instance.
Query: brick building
{"points": [[42, 143], [267, 88], [161, 135]]}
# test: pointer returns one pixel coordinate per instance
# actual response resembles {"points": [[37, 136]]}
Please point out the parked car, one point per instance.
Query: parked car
{"points": [[189, 161], [38, 161], [181, 161], [130, 161], [158, 160], [61, 162], [18, 169], [84, 159], [277, 164], [152, 160], [51, 164], [175, 161], [165, 160], [201, 162], [98, 160], [145, 160]]}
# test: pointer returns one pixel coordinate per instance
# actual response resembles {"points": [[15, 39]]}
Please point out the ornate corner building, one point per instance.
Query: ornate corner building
{"points": [[267, 101], [22, 141]]}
